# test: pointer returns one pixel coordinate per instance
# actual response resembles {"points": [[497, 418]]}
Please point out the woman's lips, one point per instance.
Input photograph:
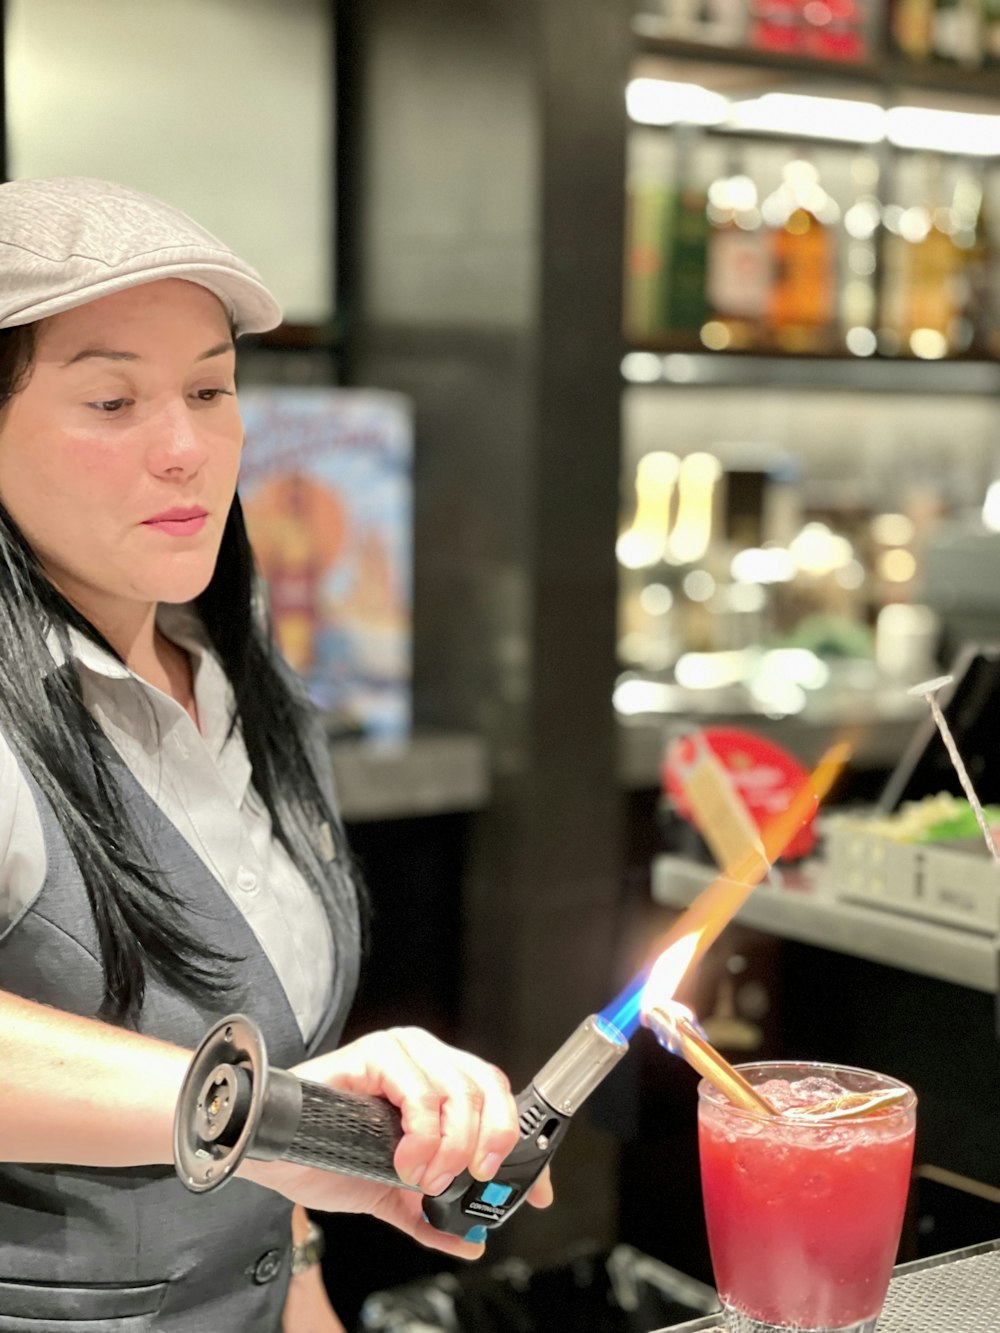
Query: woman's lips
{"points": [[178, 522]]}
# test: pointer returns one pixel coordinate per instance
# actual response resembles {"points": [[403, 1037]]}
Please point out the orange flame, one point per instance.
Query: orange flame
{"points": [[697, 928], [668, 971]]}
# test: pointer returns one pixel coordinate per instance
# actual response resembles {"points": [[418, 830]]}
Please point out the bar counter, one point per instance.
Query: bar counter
{"points": [[799, 904], [425, 774], [948, 1293]]}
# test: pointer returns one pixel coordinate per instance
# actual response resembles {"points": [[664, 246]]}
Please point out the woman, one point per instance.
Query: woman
{"points": [[169, 846]]}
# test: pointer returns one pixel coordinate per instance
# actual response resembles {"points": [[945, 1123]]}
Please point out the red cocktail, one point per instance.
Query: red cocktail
{"points": [[804, 1212]]}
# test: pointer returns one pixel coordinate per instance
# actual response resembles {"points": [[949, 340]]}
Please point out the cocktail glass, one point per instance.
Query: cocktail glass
{"points": [[804, 1213]]}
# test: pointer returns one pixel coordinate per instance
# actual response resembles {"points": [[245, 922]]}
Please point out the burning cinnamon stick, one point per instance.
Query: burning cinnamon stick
{"points": [[673, 1026]]}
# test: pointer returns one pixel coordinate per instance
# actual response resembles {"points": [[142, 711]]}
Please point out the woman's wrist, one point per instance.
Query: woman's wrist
{"points": [[307, 1252]]}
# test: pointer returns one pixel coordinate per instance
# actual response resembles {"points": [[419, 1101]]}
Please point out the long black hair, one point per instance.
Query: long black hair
{"points": [[43, 716]]}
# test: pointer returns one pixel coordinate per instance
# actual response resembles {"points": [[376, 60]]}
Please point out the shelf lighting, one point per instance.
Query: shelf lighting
{"points": [[633, 697], [928, 344], [797, 666], [763, 564], [662, 102], [817, 550], [943, 131], [837, 119], [812, 117], [897, 565], [991, 507], [642, 367], [714, 671], [643, 543], [892, 529], [680, 368], [648, 368], [861, 341]]}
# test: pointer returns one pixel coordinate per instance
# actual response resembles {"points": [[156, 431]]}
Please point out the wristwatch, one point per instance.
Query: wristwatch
{"points": [[308, 1251]]}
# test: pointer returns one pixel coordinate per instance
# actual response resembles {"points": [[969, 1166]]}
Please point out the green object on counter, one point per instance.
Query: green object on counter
{"points": [[962, 824], [830, 636]]}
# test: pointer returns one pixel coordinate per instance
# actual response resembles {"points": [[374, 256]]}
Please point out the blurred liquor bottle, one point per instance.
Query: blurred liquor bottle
{"points": [[687, 256], [817, 29], [719, 21], [648, 216], [911, 24], [976, 237], [740, 264], [860, 257], [666, 246], [925, 281], [802, 218], [990, 33], [956, 31], [773, 25], [836, 30]]}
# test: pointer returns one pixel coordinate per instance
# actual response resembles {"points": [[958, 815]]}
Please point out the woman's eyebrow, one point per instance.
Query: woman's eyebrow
{"points": [[104, 353], [220, 349], [110, 354]]}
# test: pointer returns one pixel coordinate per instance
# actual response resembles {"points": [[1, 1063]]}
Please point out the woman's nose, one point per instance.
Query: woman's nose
{"points": [[175, 442]]}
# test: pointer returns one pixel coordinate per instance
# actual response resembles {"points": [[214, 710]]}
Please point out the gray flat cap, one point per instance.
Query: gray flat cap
{"points": [[69, 240]]}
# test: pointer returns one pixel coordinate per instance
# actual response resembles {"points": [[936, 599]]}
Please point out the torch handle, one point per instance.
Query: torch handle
{"points": [[348, 1132], [233, 1105]]}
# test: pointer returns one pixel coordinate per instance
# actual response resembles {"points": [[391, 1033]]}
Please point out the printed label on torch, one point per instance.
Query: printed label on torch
{"points": [[484, 1210]]}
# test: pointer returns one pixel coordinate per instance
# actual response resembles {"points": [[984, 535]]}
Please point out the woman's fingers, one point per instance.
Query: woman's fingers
{"points": [[478, 1126], [404, 1210], [457, 1111], [329, 1191], [541, 1194]]}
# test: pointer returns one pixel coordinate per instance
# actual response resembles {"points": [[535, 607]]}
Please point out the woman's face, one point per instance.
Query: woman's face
{"points": [[118, 459]]}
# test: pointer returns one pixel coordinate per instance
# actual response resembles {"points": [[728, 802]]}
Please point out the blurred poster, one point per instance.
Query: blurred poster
{"points": [[326, 484]]}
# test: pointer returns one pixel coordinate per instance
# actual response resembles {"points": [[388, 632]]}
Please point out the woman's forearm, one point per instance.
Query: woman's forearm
{"points": [[80, 1092]]}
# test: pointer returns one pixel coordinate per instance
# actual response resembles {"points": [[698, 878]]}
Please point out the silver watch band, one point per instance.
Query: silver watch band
{"points": [[308, 1251]]}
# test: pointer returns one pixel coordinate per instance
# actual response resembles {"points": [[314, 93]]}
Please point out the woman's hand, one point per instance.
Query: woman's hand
{"points": [[457, 1114]]}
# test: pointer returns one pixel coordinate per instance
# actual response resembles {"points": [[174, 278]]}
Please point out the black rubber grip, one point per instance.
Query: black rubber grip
{"points": [[345, 1131]]}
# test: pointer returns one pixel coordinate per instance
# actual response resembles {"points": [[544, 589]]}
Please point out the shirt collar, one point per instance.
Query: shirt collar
{"points": [[179, 623], [212, 689]]}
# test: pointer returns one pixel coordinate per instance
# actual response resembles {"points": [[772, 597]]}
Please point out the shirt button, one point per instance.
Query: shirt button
{"points": [[267, 1267], [246, 879]]}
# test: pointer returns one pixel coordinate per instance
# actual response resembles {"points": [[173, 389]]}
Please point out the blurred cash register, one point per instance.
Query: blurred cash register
{"points": [[912, 854], [971, 705], [961, 584], [920, 851]]}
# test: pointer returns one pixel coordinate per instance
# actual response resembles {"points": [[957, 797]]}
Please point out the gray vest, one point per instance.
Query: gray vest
{"points": [[128, 1251]]}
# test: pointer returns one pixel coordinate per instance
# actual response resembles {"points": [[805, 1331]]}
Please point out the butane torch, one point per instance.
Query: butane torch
{"points": [[232, 1106]]}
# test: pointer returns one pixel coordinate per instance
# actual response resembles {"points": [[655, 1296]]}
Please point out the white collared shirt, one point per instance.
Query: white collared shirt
{"points": [[200, 780]]}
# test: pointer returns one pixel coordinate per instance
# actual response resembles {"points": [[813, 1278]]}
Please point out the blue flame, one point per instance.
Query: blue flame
{"points": [[611, 1031], [623, 1011]]}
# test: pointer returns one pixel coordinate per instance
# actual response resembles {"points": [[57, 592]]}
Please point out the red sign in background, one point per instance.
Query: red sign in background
{"points": [[765, 776]]}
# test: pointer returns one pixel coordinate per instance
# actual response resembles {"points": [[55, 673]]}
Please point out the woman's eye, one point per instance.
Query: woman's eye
{"points": [[210, 395], [110, 405]]}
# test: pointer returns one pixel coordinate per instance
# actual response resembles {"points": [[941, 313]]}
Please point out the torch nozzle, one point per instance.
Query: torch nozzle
{"points": [[587, 1055]]}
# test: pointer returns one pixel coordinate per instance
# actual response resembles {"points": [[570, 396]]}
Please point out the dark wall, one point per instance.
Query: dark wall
{"points": [[487, 207]]}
